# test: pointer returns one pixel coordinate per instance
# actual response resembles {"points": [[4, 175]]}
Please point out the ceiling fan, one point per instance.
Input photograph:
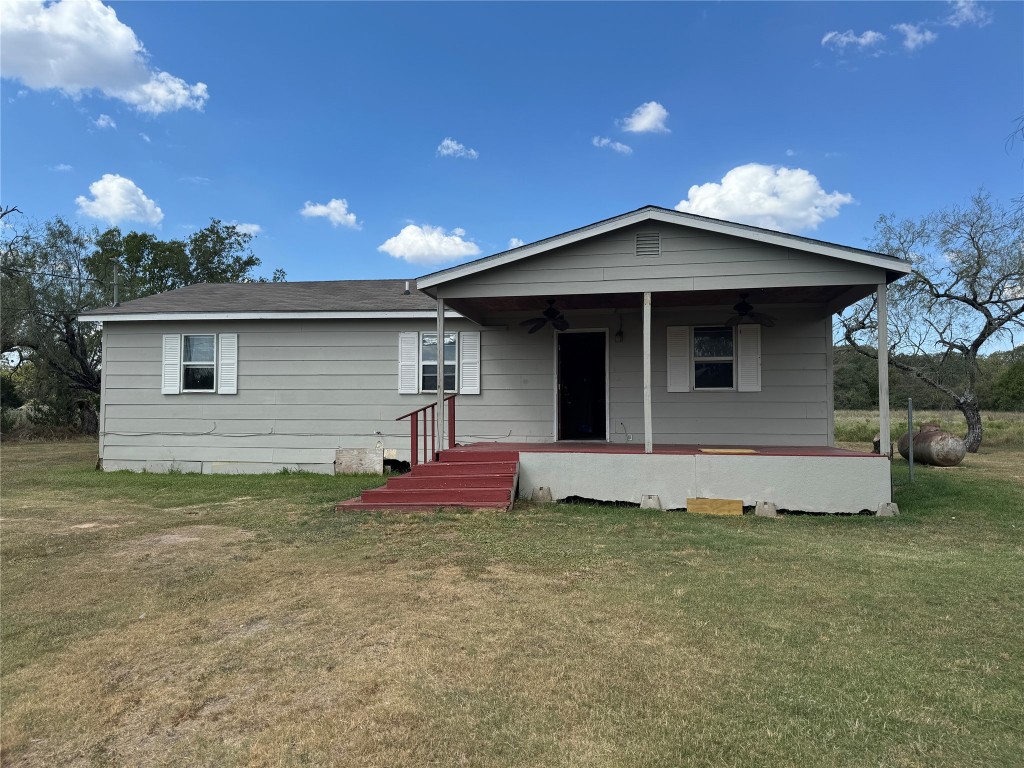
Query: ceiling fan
{"points": [[549, 315], [745, 314]]}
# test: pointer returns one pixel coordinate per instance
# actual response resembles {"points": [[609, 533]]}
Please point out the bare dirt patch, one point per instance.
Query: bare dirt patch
{"points": [[193, 540]]}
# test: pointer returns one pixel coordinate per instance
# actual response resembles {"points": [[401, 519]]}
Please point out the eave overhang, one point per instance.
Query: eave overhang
{"points": [[99, 317]]}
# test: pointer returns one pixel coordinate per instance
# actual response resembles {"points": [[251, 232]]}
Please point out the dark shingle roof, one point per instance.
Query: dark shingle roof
{"points": [[314, 296]]}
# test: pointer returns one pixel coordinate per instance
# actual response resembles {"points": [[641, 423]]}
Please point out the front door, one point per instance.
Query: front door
{"points": [[582, 386]]}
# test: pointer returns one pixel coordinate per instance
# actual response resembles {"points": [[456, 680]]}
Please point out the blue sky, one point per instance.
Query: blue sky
{"points": [[325, 124]]}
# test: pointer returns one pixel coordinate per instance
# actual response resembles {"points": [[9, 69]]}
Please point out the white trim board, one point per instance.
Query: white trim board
{"points": [[170, 316]]}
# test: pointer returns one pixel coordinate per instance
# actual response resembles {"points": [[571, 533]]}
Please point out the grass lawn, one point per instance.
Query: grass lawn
{"points": [[197, 620]]}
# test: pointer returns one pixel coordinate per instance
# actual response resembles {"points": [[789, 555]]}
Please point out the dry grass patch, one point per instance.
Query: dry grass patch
{"points": [[370, 665], [182, 620]]}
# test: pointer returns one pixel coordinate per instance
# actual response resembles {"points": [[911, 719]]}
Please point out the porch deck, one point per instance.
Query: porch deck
{"points": [[797, 478], [594, 446]]}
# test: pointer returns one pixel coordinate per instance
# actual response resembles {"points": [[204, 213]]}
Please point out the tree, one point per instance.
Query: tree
{"points": [[52, 273], [1008, 390], [966, 290], [218, 253], [45, 286]]}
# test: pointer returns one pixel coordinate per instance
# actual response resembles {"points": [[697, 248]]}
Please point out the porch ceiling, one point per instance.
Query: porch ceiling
{"points": [[833, 297]]}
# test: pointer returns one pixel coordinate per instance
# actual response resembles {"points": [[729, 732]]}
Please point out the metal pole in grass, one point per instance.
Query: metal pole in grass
{"points": [[910, 436]]}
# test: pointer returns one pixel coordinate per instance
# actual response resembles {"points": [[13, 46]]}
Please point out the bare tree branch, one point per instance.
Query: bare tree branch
{"points": [[966, 289]]}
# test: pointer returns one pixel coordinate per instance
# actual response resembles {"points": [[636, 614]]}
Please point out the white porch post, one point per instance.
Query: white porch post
{"points": [[885, 443], [648, 419], [439, 419]]}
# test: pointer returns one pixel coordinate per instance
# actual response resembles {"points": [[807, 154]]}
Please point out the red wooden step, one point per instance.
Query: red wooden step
{"points": [[406, 482], [473, 479], [448, 468], [356, 505], [464, 454], [466, 497]]}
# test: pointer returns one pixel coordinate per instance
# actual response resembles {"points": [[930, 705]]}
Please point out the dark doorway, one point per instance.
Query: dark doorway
{"points": [[581, 386]]}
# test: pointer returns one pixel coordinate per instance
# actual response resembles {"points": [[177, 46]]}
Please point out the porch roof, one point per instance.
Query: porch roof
{"points": [[832, 297]]}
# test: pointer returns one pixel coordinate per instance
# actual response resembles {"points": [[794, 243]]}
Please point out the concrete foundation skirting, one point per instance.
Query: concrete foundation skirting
{"points": [[834, 484], [214, 467]]}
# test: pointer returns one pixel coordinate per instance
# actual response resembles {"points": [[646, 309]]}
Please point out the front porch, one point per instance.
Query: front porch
{"points": [[821, 479], [493, 474], [693, 356]]}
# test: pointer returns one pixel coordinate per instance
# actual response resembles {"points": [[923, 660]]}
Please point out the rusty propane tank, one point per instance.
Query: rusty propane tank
{"points": [[933, 446]]}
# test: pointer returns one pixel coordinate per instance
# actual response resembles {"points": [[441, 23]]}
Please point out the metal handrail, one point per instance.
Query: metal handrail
{"points": [[429, 411]]}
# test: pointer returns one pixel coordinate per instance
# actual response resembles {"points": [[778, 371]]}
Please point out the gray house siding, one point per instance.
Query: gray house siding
{"points": [[307, 388], [689, 260], [792, 407]]}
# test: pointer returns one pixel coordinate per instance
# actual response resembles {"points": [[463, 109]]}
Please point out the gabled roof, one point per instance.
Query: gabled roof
{"points": [[669, 216], [355, 299], [254, 301]]}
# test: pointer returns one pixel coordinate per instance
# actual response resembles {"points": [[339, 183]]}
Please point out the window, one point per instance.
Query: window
{"points": [[428, 362], [196, 362], [417, 362], [713, 358], [199, 363]]}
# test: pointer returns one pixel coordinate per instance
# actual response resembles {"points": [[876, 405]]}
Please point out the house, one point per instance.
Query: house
{"points": [[655, 354]]}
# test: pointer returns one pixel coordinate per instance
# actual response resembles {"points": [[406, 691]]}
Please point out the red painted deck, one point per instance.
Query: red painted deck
{"points": [[480, 449]]}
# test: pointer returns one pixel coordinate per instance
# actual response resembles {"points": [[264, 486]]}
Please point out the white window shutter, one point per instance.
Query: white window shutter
{"points": [[170, 379], [408, 363], [748, 374], [227, 371], [678, 358], [469, 363]]}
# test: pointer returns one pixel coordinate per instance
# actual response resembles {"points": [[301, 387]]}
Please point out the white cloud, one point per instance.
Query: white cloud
{"points": [[61, 168], [145, 137], [78, 46], [967, 12], [200, 181], [452, 148], [790, 153], [246, 229], [915, 35], [515, 242], [840, 40], [647, 118], [602, 141], [429, 245], [116, 199], [104, 121], [335, 211], [774, 197]]}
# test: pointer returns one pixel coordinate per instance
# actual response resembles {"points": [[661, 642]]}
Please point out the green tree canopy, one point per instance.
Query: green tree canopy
{"points": [[218, 253], [53, 272]]}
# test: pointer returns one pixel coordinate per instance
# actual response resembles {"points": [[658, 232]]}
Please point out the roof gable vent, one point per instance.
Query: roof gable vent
{"points": [[648, 245]]}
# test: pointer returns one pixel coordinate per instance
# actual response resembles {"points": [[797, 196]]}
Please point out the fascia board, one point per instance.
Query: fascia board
{"points": [[172, 316]]}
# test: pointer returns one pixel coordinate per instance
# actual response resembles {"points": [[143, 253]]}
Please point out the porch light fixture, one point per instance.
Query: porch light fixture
{"points": [[618, 333]]}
